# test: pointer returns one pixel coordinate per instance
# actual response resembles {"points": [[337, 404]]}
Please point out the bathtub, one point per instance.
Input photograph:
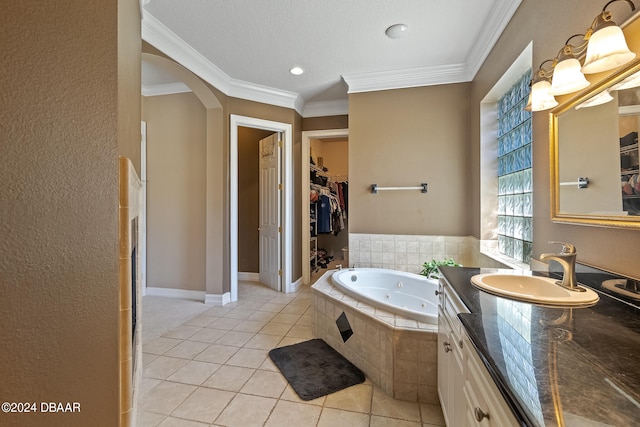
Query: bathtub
{"points": [[410, 295]]}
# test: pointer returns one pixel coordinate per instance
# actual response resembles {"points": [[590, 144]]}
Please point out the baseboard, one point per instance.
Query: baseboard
{"points": [[248, 277], [217, 299], [176, 293], [295, 286]]}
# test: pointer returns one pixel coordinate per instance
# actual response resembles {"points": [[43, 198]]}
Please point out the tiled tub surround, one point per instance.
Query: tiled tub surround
{"points": [[409, 252], [396, 353]]}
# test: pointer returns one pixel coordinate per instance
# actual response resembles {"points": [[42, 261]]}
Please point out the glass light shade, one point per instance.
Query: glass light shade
{"points": [[599, 99], [607, 49], [567, 77], [628, 83], [541, 99]]}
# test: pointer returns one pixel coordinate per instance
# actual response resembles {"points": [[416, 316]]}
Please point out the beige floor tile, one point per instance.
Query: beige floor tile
{"points": [[217, 353], [235, 338], [386, 406], [230, 378], [194, 372], [253, 306], [290, 394], [207, 335], [432, 414], [178, 422], [279, 329], [249, 326], [265, 383], [149, 419], [181, 332], [248, 358], [239, 313], [201, 321], [147, 358], [268, 365], [272, 308], [305, 320], [262, 316], [162, 366], [377, 421], [165, 397], [204, 405], [218, 311], [246, 411], [281, 298], [187, 349], [288, 319], [293, 414], [263, 341], [146, 384], [224, 323], [294, 308], [290, 341], [356, 398], [299, 331], [336, 417], [160, 345]]}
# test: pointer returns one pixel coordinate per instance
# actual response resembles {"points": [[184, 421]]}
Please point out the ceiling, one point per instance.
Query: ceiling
{"points": [[245, 48]]}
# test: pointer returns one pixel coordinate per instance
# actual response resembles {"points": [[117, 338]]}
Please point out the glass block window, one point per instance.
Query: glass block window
{"points": [[515, 180]]}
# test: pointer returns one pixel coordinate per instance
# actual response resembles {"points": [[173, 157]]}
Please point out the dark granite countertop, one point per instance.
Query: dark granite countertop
{"points": [[558, 366]]}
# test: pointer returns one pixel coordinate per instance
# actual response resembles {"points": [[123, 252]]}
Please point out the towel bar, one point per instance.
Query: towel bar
{"points": [[375, 188]]}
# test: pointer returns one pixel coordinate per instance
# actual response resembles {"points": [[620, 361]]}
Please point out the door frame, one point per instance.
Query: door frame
{"points": [[286, 237], [307, 136]]}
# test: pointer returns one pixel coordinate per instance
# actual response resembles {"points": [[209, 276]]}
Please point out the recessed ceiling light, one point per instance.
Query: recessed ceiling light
{"points": [[296, 71], [396, 31]]}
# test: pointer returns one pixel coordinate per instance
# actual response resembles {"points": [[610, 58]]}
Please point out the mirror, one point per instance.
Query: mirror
{"points": [[595, 176]]}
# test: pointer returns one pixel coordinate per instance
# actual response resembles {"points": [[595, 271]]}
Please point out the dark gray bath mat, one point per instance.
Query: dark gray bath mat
{"points": [[314, 369]]}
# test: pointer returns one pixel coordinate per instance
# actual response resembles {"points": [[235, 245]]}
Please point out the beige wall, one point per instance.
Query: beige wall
{"points": [[326, 122], [549, 23], [64, 122], [176, 197], [249, 198], [403, 138]]}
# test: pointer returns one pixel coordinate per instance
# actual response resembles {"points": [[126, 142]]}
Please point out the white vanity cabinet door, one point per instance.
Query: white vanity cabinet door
{"points": [[450, 359], [485, 405]]}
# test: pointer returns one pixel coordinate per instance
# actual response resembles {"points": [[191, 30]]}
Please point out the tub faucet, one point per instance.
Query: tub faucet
{"points": [[567, 259]]}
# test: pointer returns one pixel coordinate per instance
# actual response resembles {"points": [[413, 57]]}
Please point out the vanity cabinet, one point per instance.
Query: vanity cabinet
{"points": [[450, 356], [468, 395]]}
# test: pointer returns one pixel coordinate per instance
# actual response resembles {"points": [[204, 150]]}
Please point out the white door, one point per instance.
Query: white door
{"points": [[270, 203]]}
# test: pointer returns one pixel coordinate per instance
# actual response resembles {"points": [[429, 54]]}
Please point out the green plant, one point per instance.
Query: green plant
{"points": [[430, 269]]}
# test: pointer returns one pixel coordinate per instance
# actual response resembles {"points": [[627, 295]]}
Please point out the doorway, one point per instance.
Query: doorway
{"points": [[286, 206], [309, 240]]}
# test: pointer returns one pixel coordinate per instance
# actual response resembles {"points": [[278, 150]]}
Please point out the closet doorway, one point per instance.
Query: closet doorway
{"points": [[283, 208], [325, 176]]}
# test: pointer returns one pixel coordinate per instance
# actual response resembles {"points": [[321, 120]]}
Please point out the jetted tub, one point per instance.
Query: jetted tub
{"points": [[407, 294]]}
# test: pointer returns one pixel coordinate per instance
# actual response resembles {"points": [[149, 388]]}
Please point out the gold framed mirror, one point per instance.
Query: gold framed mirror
{"points": [[595, 177]]}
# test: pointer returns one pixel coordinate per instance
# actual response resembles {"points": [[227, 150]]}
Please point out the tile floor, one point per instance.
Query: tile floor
{"points": [[214, 370]]}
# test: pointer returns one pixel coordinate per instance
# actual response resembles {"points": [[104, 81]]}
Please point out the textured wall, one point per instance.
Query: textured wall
{"points": [[402, 138], [59, 208], [176, 196]]}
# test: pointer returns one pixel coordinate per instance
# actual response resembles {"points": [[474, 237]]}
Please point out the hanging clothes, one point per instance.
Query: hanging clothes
{"points": [[324, 214]]}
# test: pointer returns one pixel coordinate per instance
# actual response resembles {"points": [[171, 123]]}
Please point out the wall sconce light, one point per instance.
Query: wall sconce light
{"points": [[567, 75], [539, 97], [606, 48]]}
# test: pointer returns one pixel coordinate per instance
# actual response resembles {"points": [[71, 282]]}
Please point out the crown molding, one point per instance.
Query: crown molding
{"points": [[158, 35], [165, 89], [492, 29], [410, 77], [326, 108]]}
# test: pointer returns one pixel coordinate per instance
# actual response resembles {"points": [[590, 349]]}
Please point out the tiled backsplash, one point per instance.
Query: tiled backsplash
{"points": [[409, 252]]}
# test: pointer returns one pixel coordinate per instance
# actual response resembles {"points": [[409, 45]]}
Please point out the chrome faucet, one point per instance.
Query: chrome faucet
{"points": [[567, 259]]}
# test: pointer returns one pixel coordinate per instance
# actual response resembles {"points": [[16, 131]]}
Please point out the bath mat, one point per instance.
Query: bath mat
{"points": [[314, 369]]}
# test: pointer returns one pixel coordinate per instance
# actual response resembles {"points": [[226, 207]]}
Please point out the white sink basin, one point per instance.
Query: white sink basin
{"points": [[542, 290]]}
